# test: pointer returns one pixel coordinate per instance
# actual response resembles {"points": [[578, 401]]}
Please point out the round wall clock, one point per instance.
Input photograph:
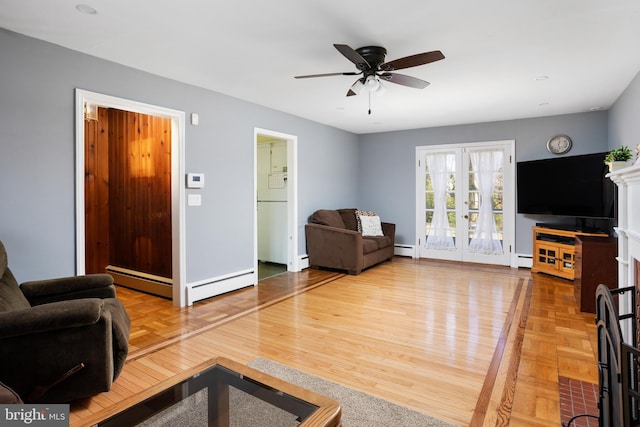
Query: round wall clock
{"points": [[559, 144]]}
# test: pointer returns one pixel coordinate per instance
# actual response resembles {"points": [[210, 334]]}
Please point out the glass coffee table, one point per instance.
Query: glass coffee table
{"points": [[224, 393]]}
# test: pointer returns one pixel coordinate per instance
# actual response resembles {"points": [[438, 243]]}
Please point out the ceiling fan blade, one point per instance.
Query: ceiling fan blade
{"points": [[404, 80], [349, 73], [353, 56], [412, 61], [356, 87]]}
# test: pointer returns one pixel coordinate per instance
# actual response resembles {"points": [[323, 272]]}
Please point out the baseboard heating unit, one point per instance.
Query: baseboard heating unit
{"points": [[303, 262], [405, 250], [144, 282], [220, 285], [523, 260]]}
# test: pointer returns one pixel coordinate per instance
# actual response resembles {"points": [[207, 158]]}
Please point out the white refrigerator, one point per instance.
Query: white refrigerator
{"points": [[272, 210]]}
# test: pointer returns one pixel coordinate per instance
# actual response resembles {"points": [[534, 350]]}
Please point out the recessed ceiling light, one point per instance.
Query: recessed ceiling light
{"points": [[86, 9], [595, 108], [543, 104]]}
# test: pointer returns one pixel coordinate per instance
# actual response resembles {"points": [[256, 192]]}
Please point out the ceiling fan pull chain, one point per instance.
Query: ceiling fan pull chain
{"points": [[369, 92]]}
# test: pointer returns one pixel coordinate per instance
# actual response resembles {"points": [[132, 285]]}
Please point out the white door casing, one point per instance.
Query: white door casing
{"points": [[179, 281], [449, 229], [292, 196]]}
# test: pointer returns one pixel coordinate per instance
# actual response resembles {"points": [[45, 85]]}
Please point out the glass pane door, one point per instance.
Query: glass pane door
{"points": [[484, 202], [462, 214], [440, 201]]}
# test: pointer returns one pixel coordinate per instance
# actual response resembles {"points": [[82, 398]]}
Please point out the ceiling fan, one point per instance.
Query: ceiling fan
{"points": [[370, 62]]}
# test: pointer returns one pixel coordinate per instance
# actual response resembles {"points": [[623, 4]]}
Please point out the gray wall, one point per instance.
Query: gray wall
{"points": [[37, 149], [387, 162], [624, 126], [336, 168]]}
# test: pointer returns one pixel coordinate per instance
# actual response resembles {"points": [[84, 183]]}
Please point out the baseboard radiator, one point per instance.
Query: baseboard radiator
{"points": [[197, 291], [140, 281], [524, 260], [405, 250], [303, 262], [400, 250]]}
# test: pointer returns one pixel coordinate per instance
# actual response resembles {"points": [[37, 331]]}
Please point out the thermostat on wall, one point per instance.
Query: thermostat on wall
{"points": [[195, 180]]}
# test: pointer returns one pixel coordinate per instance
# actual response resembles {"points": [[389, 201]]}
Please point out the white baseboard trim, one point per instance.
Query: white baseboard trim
{"points": [[400, 250], [303, 262], [524, 260], [208, 288], [405, 250]]}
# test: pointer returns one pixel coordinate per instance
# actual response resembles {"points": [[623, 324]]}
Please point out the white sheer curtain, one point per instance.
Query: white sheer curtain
{"points": [[485, 166], [440, 167]]}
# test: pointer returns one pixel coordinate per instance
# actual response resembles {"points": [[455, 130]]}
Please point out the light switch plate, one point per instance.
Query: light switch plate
{"points": [[194, 200]]}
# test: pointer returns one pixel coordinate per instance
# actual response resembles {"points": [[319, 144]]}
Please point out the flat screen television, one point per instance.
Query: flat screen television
{"points": [[566, 186]]}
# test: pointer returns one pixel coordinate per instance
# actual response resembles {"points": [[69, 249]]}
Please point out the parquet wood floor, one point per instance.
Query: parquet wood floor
{"points": [[470, 344]]}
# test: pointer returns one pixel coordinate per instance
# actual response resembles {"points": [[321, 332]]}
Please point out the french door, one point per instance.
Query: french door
{"points": [[466, 202]]}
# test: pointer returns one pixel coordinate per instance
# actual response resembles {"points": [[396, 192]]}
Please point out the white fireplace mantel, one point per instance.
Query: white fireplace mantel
{"points": [[628, 229]]}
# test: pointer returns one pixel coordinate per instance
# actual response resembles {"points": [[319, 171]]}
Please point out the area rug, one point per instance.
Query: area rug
{"points": [[358, 409]]}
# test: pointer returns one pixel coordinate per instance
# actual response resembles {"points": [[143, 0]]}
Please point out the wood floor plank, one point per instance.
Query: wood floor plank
{"points": [[420, 333]]}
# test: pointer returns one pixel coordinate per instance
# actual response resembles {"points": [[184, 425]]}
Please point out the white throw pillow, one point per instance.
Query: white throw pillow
{"points": [[369, 224]]}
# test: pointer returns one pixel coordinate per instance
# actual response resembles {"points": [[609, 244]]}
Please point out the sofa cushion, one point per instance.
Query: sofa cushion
{"points": [[11, 297], [381, 241], [369, 245], [349, 218], [369, 223], [327, 217], [121, 326]]}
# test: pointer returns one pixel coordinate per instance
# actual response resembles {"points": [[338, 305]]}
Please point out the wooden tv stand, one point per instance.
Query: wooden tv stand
{"points": [[554, 251]]}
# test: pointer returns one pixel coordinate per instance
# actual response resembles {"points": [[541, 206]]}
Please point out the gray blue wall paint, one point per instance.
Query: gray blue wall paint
{"points": [[336, 168], [388, 182], [624, 117], [37, 159]]}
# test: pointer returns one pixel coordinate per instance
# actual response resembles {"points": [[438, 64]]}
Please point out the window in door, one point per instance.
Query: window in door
{"points": [[466, 202]]}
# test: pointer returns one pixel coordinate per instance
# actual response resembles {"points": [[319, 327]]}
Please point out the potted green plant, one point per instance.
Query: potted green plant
{"points": [[618, 158]]}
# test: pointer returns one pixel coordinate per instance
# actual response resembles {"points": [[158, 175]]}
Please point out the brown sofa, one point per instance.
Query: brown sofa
{"points": [[333, 241]]}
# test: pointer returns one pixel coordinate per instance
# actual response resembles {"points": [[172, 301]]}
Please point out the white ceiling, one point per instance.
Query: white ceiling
{"points": [[250, 49]]}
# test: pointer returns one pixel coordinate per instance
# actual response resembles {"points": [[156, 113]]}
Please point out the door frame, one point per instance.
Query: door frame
{"points": [[293, 263], [509, 195], [178, 252]]}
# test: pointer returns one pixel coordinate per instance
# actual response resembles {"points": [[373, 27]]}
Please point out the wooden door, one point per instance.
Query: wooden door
{"points": [[128, 192]]}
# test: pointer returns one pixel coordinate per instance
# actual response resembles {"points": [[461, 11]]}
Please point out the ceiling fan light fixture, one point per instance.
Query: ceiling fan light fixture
{"points": [[371, 66], [372, 83]]}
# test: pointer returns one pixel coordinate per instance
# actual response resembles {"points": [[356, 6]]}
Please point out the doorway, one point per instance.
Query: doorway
{"points": [[128, 198], [466, 202], [122, 165], [276, 203]]}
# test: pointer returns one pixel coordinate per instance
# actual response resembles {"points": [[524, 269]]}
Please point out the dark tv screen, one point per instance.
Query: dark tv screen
{"points": [[566, 186]]}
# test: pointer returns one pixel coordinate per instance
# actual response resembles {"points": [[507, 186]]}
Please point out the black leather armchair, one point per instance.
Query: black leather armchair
{"points": [[61, 339]]}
